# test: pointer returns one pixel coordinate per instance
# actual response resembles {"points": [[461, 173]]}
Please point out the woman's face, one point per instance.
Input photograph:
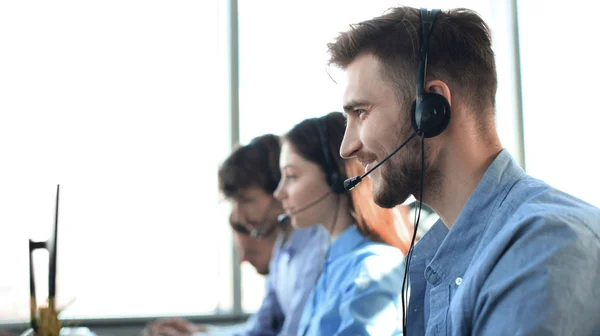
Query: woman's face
{"points": [[303, 182]]}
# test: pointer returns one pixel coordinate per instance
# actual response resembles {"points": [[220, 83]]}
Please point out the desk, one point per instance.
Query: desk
{"points": [[222, 330], [67, 331]]}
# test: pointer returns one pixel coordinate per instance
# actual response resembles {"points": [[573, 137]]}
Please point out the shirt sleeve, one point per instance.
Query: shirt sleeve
{"points": [[313, 266], [545, 283], [268, 319], [371, 304]]}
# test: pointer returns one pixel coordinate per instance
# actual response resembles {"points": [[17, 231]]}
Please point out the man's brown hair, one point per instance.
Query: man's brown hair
{"points": [[460, 54], [253, 165]]}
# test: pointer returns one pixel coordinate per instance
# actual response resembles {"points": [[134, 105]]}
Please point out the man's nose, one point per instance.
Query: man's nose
{"points": [[238, 215], [350, 143]]}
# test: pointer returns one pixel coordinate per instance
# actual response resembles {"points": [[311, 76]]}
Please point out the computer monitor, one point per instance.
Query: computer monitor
{"points": [[51, 246]]}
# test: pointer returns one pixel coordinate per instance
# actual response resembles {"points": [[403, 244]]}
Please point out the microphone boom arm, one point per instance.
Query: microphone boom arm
{"points": [[350, 183]]}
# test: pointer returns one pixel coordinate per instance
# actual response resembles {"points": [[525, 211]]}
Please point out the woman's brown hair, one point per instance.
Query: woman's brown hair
{"points": [[390, 226]]}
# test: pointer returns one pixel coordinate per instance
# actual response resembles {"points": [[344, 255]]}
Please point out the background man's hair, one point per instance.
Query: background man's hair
{"points": [[253, 165]]}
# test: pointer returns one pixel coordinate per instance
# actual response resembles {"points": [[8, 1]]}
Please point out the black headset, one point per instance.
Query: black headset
{"points": [[273, 175], [430, 113], [332, 172], [430, 116]]}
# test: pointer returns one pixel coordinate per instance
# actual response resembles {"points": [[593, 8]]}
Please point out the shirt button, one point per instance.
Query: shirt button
{"points": [[458, 281]]}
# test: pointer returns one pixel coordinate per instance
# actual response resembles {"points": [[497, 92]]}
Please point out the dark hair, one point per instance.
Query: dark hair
{"points": [[306, 139], [253, 165], [460, 53], [372, 221]]}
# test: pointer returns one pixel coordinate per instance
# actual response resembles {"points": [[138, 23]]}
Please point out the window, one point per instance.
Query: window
{"points": [[560, 119], [113, 100]]}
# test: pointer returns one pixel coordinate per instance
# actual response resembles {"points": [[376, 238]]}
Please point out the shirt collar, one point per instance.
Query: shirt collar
{"points": [[298, 239], [426, 247], [346, 242], [453, 253]]}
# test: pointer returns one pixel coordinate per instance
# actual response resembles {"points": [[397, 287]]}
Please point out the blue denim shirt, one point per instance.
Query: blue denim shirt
{"points": [[359, 290], [294, 269], [522, 258]]}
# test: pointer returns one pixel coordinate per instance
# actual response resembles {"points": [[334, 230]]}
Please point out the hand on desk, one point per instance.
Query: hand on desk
{"points": [[172, 327]]}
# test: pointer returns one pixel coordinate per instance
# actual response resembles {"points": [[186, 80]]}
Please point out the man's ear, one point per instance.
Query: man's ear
{"points": [[441, 88]]}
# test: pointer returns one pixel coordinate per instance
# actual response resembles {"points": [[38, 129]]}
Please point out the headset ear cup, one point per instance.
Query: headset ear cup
{"points": [[432, 116], [333, 175], [337, 183]]}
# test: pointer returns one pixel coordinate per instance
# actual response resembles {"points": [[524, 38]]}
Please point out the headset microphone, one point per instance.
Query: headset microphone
{"points": [[283, 217], [261, 230], [350, 183]]}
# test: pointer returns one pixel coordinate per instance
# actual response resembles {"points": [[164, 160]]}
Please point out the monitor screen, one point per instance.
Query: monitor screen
{"points": [[51, 246]]}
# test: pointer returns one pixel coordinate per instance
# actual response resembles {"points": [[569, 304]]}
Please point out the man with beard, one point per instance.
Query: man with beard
{"points": [[510, 254]]}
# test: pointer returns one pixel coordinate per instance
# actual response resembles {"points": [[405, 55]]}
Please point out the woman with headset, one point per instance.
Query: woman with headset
{"points": [[359, 290]]}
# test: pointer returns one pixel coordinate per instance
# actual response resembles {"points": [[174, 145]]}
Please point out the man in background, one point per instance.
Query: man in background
{"points": [[248, 178]]}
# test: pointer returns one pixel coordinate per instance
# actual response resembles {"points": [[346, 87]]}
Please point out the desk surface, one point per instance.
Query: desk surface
{"points": [[222, 330]]}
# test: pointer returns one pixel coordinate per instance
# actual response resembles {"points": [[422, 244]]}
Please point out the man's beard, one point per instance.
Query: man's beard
{"points": [[401, 175]]}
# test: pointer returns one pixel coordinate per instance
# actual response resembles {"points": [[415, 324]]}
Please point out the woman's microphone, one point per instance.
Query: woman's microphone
{"points": [[283, 217], [350, 183]]}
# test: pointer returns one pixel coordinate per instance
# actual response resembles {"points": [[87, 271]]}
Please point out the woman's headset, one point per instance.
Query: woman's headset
{"points": [[332, 172]]}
